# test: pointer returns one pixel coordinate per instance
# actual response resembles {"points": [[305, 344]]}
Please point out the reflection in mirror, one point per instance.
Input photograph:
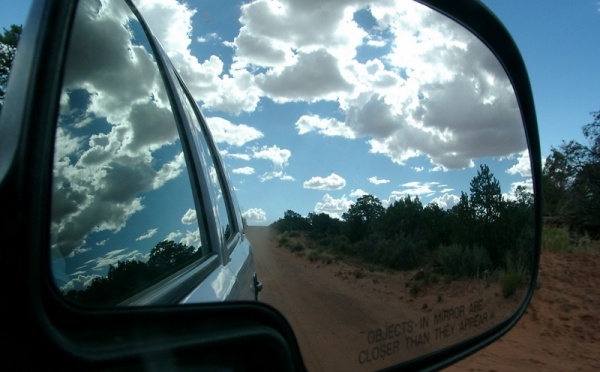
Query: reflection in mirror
{"points": [[118, 162], [397, 217]]}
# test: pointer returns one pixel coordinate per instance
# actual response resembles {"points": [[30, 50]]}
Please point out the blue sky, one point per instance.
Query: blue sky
{"points": [[314, 139], [561, 48]]}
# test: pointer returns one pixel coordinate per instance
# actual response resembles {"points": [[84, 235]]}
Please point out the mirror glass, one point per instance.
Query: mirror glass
{"points": [[376, 150], [400, 180]]}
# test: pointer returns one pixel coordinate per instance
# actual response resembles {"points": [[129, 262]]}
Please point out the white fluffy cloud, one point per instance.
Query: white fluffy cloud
{"points": [[431, 88], [523, 166], [358, 193], [378, 181], [232, 134], [333, 207], [446, 201], [244, 170], [232, 91], [255, 215], [417, 189], [326, 126], [331, 182], [279, 157]]}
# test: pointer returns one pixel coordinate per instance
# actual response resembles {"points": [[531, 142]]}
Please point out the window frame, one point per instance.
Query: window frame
{"points": [[231, 204], [174, 288]]}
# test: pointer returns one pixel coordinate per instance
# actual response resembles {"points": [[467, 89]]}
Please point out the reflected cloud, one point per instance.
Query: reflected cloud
{"points": [[116, 146]]}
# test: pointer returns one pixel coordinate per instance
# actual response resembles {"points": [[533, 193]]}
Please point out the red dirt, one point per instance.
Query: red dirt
{"points": [[560, 330], [337, 311]]}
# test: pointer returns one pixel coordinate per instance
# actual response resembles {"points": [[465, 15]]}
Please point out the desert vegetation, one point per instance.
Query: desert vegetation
{"points": [[484, 233]]}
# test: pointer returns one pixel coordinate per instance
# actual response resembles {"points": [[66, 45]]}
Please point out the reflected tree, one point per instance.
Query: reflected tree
{"points": [[130, 277], [8, 50], [168, 255]]}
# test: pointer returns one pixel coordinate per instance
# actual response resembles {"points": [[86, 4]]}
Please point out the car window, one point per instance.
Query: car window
{"points": [[123, 210], [210, 160]]}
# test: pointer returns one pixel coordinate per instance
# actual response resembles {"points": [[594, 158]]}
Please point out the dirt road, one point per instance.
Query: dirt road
{"points": [[318, 314], [349, 319]]}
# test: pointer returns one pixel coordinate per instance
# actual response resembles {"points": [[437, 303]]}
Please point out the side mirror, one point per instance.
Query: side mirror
{"points": [[439, 251], [409, 238]]}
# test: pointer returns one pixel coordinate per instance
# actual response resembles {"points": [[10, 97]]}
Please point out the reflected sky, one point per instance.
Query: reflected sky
{"points": [[118, 162]]}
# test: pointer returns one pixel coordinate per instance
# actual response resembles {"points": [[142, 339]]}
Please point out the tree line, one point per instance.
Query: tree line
{"points": [[571, 183], [127, 278], [483, 232]]}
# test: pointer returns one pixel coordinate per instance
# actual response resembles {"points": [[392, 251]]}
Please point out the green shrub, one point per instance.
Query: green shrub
{"points": [[555, 240], [414, 289], [510, 282], [298, 247], [327, 258], [460, 261], [397, 253], [283, 240], [313, 256], [358, 274]]}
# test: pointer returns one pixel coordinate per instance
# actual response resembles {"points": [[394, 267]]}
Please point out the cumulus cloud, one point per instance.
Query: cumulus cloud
{"points": [[523, 166], [148, 235], [232, 134], [192, 238], [171, 22], [297, 27], [527, 185], [255, 215], [417, 189], [331, 182], [329, 127], [446, 201], [189, 217], [333, 207], [244, 170], [431, 88], [378, 181], [174, 235], [314, 77], [225, 153], [279, 157], [276, 175]]}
